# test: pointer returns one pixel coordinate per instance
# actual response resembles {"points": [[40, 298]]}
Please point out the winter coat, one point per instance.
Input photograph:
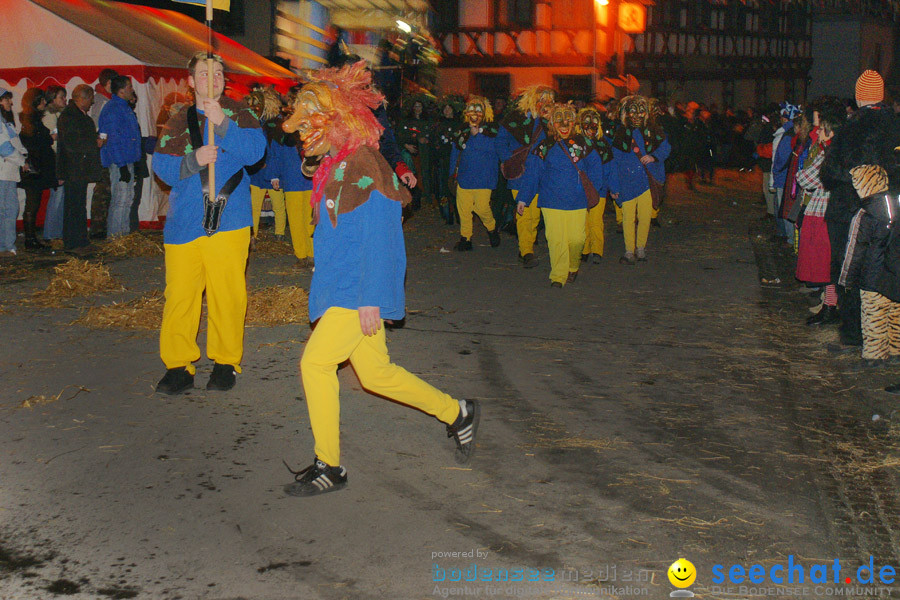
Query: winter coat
{"points": [[870, 233], [868, 137], [79, 155], [123, 144], [781, 155], [40, 155], [12, 152]]}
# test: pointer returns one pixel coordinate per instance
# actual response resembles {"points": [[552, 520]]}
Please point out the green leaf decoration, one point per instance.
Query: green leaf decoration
{"points": [[512, 124], [228, 112], [396, 181], [364, 182], [339, 174], [164, 139], [527, 139], [188, 148]]}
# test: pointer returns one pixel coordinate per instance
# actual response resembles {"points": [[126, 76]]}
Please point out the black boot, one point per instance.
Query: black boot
{"points": [[29, 221], [463, 245], [494, 236], [826, 316]]}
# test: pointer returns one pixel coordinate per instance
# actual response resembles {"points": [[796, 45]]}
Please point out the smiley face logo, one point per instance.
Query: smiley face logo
{"points": [[682, 573]]}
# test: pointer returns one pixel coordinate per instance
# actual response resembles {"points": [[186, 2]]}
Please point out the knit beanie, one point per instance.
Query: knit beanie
{"points": [[869, 88]]}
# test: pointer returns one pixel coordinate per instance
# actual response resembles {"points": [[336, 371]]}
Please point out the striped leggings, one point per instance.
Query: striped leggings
{"points": [[880, 326]]}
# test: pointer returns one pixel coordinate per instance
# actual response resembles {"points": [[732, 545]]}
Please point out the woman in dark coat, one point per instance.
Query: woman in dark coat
{"points": [[40, 171]]}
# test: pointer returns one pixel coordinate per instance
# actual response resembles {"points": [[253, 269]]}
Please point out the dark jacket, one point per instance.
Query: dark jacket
{"points": [[868, 137], [863, 266], [36, 139], [78, 154]]}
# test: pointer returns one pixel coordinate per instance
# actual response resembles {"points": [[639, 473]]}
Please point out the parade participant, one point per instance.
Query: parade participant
{"points": [[266, 103], [360, 270], [814, 251], [120, 153], [639, 149], [474, 161], [589, 123], [570, 173], [287, 169], [206, 239], [520, 132], [412, 136]]}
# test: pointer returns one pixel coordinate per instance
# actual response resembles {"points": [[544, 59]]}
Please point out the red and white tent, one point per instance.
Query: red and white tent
{"points": [[68, 42]]}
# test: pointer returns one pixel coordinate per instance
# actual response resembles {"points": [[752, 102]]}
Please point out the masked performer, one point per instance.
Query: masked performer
{"points": [[263, 180], [589, 123], [206, 238], [520, 133], [474, 160], [570, 173], [639, 149], [360, 269]]}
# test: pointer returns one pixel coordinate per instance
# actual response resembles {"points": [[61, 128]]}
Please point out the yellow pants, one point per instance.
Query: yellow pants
{"points": [[474, 201], [299, 213], [639, 208], [654, 212], [593, 229], [257, 196], [565, 239], [527, 225], [217, 264], [337, 337]]}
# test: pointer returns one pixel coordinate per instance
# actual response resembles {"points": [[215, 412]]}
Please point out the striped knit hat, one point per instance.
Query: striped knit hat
{"points": [[869, 88]]}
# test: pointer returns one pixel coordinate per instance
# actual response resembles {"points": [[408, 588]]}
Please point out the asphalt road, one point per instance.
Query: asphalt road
{"points": [[676, 408]]}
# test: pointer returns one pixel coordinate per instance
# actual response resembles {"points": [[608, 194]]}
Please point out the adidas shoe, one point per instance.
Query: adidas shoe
{"points": [[464, 429], [175, 381], [318, 478]]}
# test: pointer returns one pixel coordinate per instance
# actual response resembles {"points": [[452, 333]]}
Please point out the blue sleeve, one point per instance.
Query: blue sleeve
{"points": [[248, 145], [388, 143], [782, 154], [6, 149], [530, 181], [378, 255], [506, 144], [275, 162], [168, 167], [612, 177], [662, 153], [106, 123], [593, 166]]}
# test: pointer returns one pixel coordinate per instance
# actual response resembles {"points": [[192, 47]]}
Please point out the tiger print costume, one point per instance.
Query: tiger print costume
{"points": [[863, 262]]}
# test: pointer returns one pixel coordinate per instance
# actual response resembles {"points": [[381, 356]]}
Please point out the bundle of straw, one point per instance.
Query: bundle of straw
{"points": [[76, 278], [277, 306], [144, 312], [133, 244]]}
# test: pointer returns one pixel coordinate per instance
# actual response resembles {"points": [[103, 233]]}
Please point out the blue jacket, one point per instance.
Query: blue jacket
{"points": [[123, 142], [632, 178], [781, 159], [286, 168], [184, 221], [509, 144], [479, 162], [556, 181], [361, 261]]}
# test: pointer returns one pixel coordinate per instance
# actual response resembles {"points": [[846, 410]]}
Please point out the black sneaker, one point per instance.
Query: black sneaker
{"points": [[463, 245], [318, 478], [494, 236], [529, 261], [463, 432], [222, 378], [175, 381]]}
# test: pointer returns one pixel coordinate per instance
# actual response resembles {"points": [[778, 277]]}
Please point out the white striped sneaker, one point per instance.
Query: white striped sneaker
{"points": [[318, 478], [463, 431]]}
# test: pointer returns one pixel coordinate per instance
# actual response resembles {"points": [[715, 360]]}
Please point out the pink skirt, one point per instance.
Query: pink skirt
{"points": [[814, 253]]}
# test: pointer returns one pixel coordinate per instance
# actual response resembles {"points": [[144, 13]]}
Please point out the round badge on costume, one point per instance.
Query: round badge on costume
{"points": [[330, 204]]}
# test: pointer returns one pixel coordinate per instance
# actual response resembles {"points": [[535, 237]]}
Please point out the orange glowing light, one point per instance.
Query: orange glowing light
{"points": [[632, 17]]}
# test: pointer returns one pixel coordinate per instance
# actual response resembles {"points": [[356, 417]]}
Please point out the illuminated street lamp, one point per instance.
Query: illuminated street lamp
{"points": [[404, 26]]}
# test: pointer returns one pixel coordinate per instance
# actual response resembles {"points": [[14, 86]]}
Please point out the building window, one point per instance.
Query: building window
{"points": [[514, 13], [492, 85], [446, 15], [572, 14], [574, 87]]}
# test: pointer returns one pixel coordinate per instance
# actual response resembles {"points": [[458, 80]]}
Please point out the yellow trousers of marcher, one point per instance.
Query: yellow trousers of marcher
{"points": [[565, 239], [216, 264], [337, 337], [593, 229], [257, 196], [299, 213], [477, 202], [527, 225], [654, 212], [638, 209]]}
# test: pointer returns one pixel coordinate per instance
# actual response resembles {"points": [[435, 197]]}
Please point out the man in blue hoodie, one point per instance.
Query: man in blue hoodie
{"points": [[781, 161], [119, 125]]}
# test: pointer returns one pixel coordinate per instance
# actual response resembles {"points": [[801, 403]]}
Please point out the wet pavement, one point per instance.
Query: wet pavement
{"points": [[678, 407]]}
